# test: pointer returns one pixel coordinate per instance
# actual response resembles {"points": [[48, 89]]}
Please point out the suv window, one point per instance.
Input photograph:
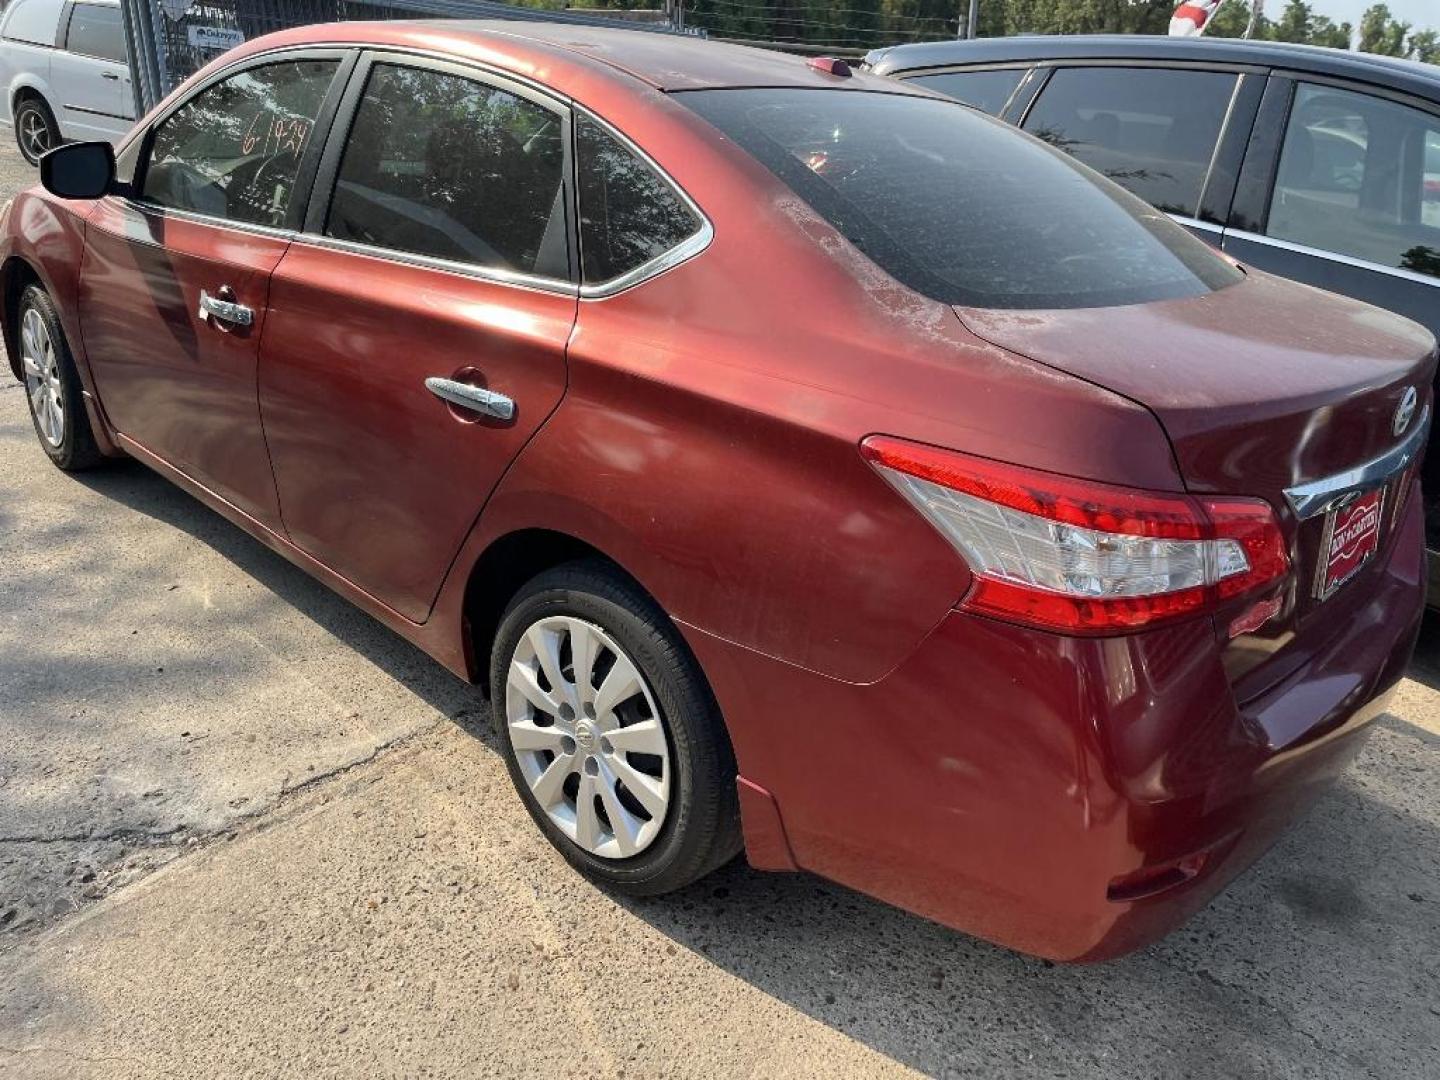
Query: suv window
{"points": [[961, 207], [1360, 176], [1151, 130], [628, 213], [987, 90], [440, 164], [233, 150], [95, 30]]}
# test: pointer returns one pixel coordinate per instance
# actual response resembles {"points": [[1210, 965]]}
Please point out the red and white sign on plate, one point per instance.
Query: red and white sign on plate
{"points": [[1191, 17], [1352, 535]]}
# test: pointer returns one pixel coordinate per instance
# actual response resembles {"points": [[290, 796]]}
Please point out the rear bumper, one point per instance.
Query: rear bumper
{"points": [[1002, 780]]}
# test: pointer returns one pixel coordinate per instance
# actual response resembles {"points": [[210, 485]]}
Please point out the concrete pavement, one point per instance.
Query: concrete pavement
{"points": [[246, 832]]}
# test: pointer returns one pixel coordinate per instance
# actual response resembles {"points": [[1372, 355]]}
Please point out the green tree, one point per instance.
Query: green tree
{"points": [[1425, 46], [1381, 32], [1233, 18]]}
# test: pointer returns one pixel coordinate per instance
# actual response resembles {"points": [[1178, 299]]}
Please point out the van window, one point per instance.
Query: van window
{"points": [[33, 21], [1151, 130], [1360, 176], [95, 30], [961, 207], [985, 90]]}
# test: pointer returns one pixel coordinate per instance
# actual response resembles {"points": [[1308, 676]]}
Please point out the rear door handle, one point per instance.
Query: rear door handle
{"points": [[475, 398], [110, 75], [224, 310]]}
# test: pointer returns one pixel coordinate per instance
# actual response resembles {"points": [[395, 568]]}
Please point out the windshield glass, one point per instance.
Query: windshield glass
{"points": [[961, 207]]}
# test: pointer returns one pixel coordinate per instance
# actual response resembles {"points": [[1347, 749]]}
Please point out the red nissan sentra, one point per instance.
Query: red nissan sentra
{"points": [[805, 463]]}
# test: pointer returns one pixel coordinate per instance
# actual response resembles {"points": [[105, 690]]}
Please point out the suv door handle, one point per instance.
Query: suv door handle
{"points": [[110, 75], [475, 398], [224, 310]]}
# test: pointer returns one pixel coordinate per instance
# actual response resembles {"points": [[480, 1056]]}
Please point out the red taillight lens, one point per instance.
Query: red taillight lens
{"points": [[1077, 555]]}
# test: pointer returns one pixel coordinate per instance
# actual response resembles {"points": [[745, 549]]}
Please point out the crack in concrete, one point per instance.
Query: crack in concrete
{"points": [[180, 841], [14, 1051], [122, 835], [1208, 976]]}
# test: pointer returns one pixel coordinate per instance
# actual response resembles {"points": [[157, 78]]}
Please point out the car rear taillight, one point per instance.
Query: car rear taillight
{"points": [[1077, 555]]}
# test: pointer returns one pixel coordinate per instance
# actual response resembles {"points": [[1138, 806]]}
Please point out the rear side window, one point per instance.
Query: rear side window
{"points": [[985, 90], [95, 30], [1151, 130], [233, 150], [1360, 176], [961, 207], [32, 21], [442, 165], [629, 215]]}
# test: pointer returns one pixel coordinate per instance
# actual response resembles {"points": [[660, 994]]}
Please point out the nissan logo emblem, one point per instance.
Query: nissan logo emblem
{"points": [[1405, 411]]}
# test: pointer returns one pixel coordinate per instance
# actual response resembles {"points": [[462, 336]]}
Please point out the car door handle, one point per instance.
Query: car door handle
{"points": [[226, 311], [110, 75], [475, 398]]}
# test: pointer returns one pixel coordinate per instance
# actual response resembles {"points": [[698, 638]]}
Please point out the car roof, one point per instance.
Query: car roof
{"points": [[1407, 75], [662, 61]]}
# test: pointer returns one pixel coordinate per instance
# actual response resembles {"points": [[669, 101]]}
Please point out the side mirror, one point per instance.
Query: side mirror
{"points": [[83, 170]]}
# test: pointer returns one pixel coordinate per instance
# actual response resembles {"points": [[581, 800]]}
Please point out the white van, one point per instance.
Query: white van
{"points": [[64, 73]]}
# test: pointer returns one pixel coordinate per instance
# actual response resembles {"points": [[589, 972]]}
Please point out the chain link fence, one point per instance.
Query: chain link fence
{"points": [[169, 40]]}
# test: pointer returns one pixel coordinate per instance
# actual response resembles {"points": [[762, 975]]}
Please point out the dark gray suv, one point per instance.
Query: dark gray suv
{"points": [[1317, 164]]}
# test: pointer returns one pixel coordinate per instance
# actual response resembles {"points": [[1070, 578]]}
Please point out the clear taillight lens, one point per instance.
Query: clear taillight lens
{"points": [[1076, 555]]}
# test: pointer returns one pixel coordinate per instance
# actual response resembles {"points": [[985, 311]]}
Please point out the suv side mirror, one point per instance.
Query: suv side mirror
{"points": [[84, 170]]}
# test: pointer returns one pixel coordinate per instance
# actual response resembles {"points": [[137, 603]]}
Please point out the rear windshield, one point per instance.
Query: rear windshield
{"points": [[961, 207]]}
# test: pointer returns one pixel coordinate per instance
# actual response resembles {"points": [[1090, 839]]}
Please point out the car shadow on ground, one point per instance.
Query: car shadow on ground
{"points": [[1316, 962]]}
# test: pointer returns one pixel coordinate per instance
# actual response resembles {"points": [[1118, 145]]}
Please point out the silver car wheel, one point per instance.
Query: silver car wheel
{"points": [[42, 377], [34, 134], [588, 737]]}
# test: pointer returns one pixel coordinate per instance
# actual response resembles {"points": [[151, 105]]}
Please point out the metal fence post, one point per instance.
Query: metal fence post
{"points": [[147, 65]]}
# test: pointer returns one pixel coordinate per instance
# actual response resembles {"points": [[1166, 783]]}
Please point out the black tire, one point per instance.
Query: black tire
{"points": [[701, 827], [35, 128], [76, 450]]}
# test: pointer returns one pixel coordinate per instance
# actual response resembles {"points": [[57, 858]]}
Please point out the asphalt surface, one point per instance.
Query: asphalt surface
{"points": [[245, 832]]}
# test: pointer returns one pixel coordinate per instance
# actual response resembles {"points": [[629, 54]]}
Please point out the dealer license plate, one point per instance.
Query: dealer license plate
{"points": [[1352, 536]]}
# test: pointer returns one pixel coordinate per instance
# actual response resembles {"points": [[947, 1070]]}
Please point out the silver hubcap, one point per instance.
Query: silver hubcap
{"points": [[588, 737], [34, 133], [42, 377]]}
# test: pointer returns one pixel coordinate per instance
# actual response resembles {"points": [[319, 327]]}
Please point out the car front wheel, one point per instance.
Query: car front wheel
{"points": [[35, 129], [610, 733], [52, 385]]}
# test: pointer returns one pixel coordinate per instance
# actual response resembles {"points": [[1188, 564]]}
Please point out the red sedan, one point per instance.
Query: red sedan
{"points": [[804, 463]]}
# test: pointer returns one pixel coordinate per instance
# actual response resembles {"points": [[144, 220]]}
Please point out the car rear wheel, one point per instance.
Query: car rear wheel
{"points": [[52, 385], [35, 129], [610, 733]]}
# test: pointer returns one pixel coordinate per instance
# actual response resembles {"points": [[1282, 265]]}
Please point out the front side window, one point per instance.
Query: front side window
{"points": [[985, 90], [233, 150], [95, 30], [628, 214], [1360, 176], [961, 207], [442, 165], [1151, 130]]}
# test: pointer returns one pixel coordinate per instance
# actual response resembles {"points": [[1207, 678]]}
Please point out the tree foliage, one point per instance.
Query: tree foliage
{"points": [[866, 24]]}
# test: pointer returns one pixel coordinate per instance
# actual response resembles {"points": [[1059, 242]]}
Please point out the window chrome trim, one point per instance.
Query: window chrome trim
{"points": [[495, 274], [1315, 498], [155, 210], [1333, 256], [1196, 223], [684, 251]]}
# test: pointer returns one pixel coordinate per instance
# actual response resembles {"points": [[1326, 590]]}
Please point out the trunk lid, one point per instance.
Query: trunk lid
{"points": [[1264, 386]]}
